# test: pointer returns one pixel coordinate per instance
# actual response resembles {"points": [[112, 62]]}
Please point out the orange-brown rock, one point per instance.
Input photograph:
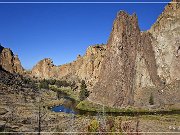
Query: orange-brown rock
{"points": [[117, 76], [85, 67], [132, 66], [44, 69], [9, 61]]}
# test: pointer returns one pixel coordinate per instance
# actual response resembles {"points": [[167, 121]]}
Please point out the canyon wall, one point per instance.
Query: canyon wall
{"points": [[166, 42], [142, 63], [86, 67], [131, 67]]}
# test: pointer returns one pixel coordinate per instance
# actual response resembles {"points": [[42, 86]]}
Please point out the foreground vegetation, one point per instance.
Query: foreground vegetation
{"points": [[66, 90], [21, 112], [80, 97], [92, 107]]}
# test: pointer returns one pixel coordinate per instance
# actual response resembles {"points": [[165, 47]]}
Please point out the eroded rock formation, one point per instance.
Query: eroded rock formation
{"points": [[85, 67], [9, 61], [132, 64], [142, 63], [118, 67], [166, 42], [44, 69], [131, 67]]}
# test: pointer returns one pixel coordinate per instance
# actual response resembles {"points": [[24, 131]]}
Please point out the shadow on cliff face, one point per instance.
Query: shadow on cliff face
{"points": [[116, 79], [149, 56], [1, 48]]}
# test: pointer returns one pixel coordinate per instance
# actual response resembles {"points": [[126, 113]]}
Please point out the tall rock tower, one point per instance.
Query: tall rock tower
{"points": [[137, 64], [116, 80]]}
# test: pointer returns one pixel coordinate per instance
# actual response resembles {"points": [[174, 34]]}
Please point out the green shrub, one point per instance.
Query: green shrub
{"points": [[94, 126], [73, 84], [84, 93], [44, 84], [62, 83], [51, 81], [151, 99]]}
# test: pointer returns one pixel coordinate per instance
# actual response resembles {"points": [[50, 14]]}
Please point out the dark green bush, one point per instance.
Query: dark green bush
{"points": [[84, 93], [44, 84], [151, 99], [51, 81], [62, 83]]}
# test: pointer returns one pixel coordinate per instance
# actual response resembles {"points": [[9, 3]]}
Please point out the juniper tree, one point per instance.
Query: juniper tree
{"points": [[151, 99], [84, 93]]}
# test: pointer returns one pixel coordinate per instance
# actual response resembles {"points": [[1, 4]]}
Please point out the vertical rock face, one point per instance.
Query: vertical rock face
{"points": [[148, 55], [166, 42], [91, 64], [159, 45], [9, 61], [118, 67], [138, 64], [17, 65]]}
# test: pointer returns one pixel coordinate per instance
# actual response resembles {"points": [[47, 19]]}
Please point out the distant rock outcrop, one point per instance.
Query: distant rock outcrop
{"points": [[85, 67], [9, 61], [44, 69]]}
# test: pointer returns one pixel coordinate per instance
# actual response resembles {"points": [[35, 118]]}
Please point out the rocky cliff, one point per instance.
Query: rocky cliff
{"points": [[117, 74], [86, 67], [131, 67], [166, 42], [9, 61], [142, 63], [44, 69]]}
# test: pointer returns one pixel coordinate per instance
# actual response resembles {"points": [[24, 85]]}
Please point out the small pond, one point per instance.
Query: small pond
{"points": [[67, 107], [62, 108]]}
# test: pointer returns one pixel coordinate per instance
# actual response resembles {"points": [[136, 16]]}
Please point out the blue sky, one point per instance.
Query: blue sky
{"points": [[62, 31]]}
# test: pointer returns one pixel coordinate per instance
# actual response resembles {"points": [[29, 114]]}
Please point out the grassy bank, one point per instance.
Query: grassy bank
{"points": [[54, 103], [86, 105], [89, 106], [66, 90]]}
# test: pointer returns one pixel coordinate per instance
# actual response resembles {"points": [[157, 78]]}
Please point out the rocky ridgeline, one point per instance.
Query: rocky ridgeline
{"points": [[86, 67], [9, 61], [131, 67]]}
